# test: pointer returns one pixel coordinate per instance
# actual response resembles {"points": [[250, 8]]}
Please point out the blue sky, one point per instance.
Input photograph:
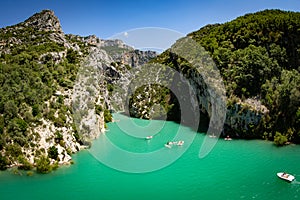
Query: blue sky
{"points": [[107, 18]]}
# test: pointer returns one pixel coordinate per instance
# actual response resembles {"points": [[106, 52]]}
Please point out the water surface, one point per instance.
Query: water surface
{"points": [[233, 170]]}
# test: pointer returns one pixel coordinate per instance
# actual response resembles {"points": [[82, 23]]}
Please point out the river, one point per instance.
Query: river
{"points": [[236, 169]]}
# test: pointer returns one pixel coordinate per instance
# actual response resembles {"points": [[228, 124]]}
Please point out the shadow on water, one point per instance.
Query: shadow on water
{"points": [[202, 127]]}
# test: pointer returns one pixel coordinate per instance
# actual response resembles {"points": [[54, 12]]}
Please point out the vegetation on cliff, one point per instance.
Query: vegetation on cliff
{"points": [[258, 57], [34, 65]]}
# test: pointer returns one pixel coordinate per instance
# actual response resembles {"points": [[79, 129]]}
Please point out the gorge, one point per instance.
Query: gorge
{"points": [[57, 90]]}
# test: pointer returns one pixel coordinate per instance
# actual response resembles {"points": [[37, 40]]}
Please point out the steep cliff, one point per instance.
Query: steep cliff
{"points": [[54, 95], [257, 56]]}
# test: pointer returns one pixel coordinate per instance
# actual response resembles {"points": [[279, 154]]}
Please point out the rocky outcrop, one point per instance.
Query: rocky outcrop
{"points": [[75, 122], [44, 21], [243, 117]]}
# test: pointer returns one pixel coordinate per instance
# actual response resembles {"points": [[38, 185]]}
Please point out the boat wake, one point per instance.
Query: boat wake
{"points": [[296, 182]]}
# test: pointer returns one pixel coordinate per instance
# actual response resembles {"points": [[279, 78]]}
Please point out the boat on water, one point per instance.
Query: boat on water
{"points": [[149, 137], [285, 176], [228, 138], [175, 143]]}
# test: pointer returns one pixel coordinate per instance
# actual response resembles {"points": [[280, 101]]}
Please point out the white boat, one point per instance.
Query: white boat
{"points": [[180, 143], [149, 137], [176, 143], [228, 138], [285, 176]]}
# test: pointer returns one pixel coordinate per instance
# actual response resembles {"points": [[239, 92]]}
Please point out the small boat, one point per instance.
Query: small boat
{"points": [[180, 143], [228, 138], [285, 176], [176, 143], [149, 137]]}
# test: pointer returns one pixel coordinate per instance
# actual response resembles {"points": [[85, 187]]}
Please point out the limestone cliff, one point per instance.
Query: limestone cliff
{"points": [[75, 73]]}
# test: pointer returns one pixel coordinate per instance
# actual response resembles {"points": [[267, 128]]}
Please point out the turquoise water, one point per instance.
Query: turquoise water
{"points": [[232, 170]]}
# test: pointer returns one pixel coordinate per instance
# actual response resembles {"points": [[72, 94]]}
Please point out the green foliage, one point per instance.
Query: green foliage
{"points": [[257, 56], [110, 87], [30, 74], [72, 56], [24, 163], [14, 150], [43, 165], [161, 104], [280, 139], [282, 96], [58, 137], [3, 162], [107, 116], [98, 109], [35, 110], [53, 152]]}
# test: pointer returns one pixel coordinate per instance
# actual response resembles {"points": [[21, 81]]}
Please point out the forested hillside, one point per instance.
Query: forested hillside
{"points": [[258, 56], [52, 100], [36, 61]]}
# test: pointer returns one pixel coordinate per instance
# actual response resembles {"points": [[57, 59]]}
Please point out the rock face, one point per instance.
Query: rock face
{"points": [[108, 61], [44, 21], [243, 117]]}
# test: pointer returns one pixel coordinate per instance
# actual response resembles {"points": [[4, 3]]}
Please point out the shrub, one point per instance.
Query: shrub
{"points": [[107, 116], [98, 109], [43, 165], [280, 139], [24, 163], [53, 152], [3, 162]]}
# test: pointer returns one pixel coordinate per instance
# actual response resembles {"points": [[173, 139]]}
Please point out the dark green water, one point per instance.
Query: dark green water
{"points": [[232, 170]]}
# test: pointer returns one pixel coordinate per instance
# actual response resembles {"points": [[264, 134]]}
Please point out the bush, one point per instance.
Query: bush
{"points": [[72, 56], [3, 162], [280, 139], [14, 150], [98, 109], [24, 163], [35, 110], [107, 116], [43, 165], [53, 152]]}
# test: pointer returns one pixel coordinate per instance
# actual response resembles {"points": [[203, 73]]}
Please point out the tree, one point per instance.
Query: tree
{"points": [[10, 109], [280, 139], [3, 162], [24, 163], [72, 56], [43, 165], [107, 116], [53, 152], [35, 110]]}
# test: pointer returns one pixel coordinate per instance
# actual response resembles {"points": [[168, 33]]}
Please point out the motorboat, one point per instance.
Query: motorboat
{"points": [[285, 176], [180, 143], [175, 143], [149, 137], [228, 138]]}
